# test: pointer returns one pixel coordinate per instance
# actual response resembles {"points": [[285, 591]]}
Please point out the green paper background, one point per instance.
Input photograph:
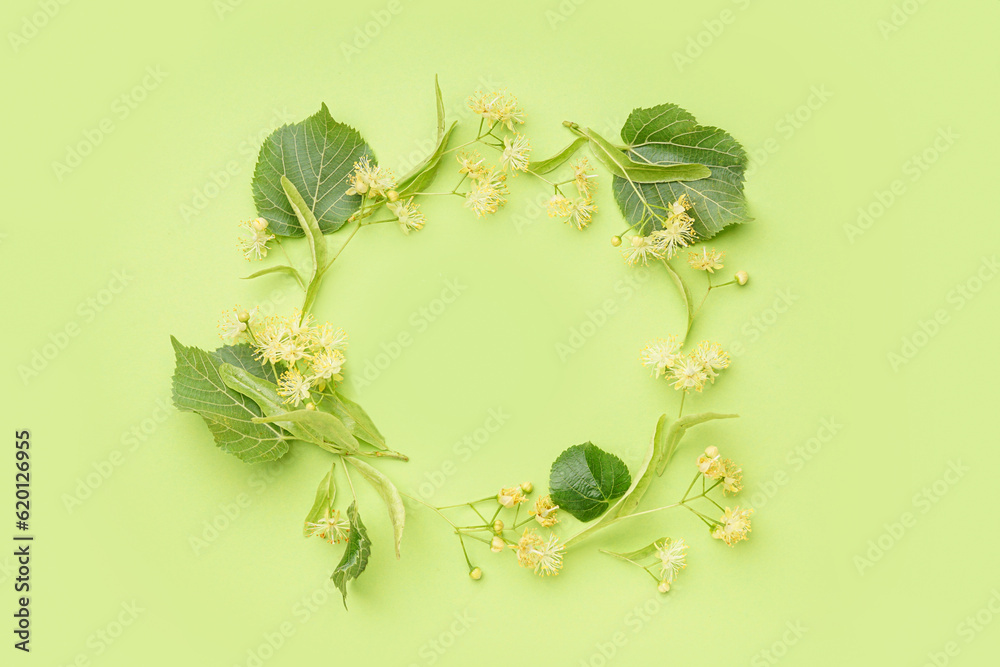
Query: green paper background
{"points": [[834, 107]]}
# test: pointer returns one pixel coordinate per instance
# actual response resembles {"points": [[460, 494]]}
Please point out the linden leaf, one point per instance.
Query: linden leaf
{"points": [[667, 134], [316, 156], [199, 387], [585, 479], [357, 421], [356, 555]]}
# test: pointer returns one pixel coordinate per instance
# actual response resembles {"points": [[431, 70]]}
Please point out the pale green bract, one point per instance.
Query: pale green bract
{"points": [[665, 135], [316, 156]]}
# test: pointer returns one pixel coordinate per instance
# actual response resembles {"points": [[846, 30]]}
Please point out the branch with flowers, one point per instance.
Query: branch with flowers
{"points": [[277, 379]]}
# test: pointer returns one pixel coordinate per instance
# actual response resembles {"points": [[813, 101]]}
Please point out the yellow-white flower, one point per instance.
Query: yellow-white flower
{"points": [[585, 181], [688, 373], [471, 163], [234, 324], [328, 338], [487, 193], [672, 558], [516, 152], [294, 387], [545, 511], [732, 477], [712, 357], [559, 206], [497, 107], [707, 260], [710, 463], [497, 544], [544, 556], [661, 354], [408, 213], [640, 250], [255, 247], [681, 206], [735, 526], [369, 179], [327, 365], [677, 233], [510, 496], [583, 211], [333, 528]]}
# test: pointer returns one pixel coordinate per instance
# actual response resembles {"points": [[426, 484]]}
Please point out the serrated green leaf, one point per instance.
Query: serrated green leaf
{"points": [[199, 387], [389, 493], [677, 431], [316, 155], [357, 421], [326, 493], [242, 356], [322, 423], [585, 479], [557, 160], [280, 268], [667, 134], [356, 554]]}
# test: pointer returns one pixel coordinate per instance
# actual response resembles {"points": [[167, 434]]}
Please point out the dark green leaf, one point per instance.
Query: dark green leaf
{"points": [[199, 387], [585, 479], [316, 155], [355, 559], [242, 356], [666, 135]]}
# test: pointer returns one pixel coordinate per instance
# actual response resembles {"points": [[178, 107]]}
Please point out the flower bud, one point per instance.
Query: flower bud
{"points": [[497, 545], [527, 487], [243, 316], [711, 451], [258, 224], [742, 277], [476, 573], [663, 587], [392, 195], [498, 526], [616, 241], [310, 406]]}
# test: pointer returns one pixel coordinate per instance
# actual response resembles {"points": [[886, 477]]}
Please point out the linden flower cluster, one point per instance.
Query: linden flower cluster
{"points": [[377, 185], [255, 247], [734, 525], [685, 371], [578, 211], [676, 232], [331, 527], [488, 191]]}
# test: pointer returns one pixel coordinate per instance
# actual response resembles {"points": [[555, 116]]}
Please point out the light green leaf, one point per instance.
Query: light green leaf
{"points": [[622, 166], [389, 493], [677, 431], [280, 268], [638, 554], [440, 108], [357, 421], [319, 422], [668, 135], [326, 493], [317, 244], [557, 160], [421, 176], [585, 479], [355, 559], [199, 387], [316, 155], [685, 297], [644, 475]]}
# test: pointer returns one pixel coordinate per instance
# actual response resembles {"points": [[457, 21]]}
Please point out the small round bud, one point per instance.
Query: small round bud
{"points": [[497, 545], [742, 277], [243, 316], [527, 487], [711, 451], [476, 574], [498, 526], [616, 241], [392, 195], [636, 241], [310, 406], [663, 587], [258, 224]]}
